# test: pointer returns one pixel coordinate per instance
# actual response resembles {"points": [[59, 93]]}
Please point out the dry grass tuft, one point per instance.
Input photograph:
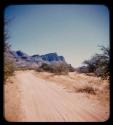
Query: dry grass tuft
{"points": [[87, 89]]}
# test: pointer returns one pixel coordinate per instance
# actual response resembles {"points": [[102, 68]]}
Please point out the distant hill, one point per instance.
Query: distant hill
{"points": [[24, 60]]}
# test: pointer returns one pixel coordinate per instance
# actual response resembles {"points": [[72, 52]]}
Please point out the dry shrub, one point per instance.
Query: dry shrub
{"points": [[87, 89], [9, 62], [58, 69], [9, 68]]}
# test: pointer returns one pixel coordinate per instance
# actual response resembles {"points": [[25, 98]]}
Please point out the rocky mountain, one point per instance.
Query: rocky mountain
{"points": [[22, 59]]}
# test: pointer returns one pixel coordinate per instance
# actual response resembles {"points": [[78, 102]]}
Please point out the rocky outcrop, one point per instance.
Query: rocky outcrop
{"points": [[23, 59]]}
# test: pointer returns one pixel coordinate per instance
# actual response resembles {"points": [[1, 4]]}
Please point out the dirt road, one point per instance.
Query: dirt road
{"points": [[42, 101]]}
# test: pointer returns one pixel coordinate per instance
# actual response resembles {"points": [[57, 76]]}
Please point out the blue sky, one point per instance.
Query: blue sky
{"points": [[74, 31]]}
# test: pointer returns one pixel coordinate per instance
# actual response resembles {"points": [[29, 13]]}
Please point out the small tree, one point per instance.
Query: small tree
{"points": [[99, 63], [9, 63], [90, 65]]}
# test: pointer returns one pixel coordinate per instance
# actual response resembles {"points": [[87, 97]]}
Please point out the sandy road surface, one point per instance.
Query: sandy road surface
{"points": [[42, 101]]}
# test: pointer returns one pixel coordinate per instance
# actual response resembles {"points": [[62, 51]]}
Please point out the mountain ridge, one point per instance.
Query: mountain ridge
{"points": [[24, 60]]}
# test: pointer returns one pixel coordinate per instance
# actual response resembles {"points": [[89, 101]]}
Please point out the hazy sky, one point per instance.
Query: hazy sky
{"points": [[74, 31]]}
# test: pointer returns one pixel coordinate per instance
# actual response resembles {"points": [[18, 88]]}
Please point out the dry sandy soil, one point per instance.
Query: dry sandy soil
{"points": [[43, 97]]}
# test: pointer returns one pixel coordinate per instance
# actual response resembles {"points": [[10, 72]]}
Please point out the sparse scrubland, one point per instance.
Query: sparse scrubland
{"points": [[44, 96], [80, 96], [90, 86], [47, 88], [93, 83], [71, 87]]}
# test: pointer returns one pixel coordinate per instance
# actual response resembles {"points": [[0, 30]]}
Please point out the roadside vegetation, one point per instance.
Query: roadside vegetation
{"points": [[90, 86], [98, 65], [9, 63], [56, 68]]}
